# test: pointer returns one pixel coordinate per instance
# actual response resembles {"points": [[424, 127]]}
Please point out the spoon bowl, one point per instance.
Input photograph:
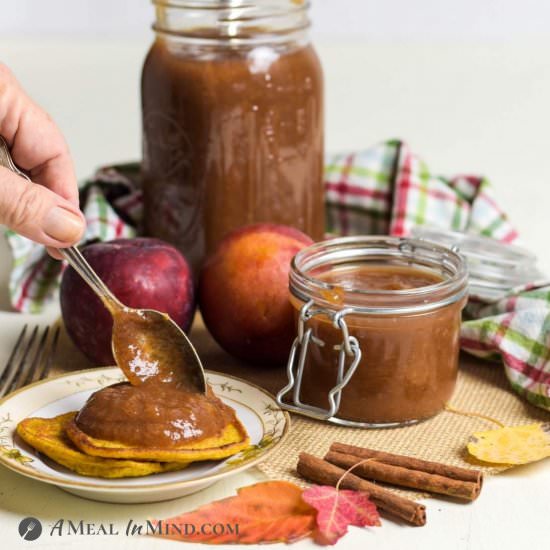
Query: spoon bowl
{"points": [[151, 344], [146, 343]]}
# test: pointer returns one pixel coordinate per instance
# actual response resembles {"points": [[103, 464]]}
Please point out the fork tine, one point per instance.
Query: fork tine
{"points": [[49, 356], [10, 361], [26, 374], [16, 366]]}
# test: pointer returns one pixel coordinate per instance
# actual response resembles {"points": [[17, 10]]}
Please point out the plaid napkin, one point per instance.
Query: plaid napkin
{"points": [[386, 189]]}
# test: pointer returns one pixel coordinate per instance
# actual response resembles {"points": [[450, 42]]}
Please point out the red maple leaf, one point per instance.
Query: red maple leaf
{"points": [[336, 509]]}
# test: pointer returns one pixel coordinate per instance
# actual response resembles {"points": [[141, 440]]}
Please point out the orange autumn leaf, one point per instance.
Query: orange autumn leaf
{"points": [[271, 511], [337, 509]]}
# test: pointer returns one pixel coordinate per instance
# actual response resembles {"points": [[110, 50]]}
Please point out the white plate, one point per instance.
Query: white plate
{"points": [[265, 422]]}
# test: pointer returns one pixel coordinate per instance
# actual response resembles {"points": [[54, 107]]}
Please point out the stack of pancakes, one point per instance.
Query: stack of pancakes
{"points": [[60, 439]]}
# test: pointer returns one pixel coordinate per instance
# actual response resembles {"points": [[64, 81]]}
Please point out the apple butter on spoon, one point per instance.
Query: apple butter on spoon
{"points": [[147, 344]]}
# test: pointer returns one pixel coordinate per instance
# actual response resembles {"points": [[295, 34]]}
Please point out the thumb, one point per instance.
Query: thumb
{"points": [[38, 213]]}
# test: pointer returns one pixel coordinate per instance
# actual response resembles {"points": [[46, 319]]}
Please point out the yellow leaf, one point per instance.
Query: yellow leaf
{"points": [[512, 445]]}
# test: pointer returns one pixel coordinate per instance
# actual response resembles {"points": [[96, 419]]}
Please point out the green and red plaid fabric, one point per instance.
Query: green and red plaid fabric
{"points": [[386, 189], [516, 331]]}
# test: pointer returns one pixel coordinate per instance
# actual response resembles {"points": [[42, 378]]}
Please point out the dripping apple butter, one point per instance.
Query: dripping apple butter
{"points": [[157, 407], [232, 127], [401, 301]]}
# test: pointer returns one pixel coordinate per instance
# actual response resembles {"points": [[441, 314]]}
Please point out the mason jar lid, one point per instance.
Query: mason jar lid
{"points": [[494, 267]]}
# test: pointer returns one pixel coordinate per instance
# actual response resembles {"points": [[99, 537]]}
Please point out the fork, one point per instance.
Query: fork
{"points": [[30, 527], [30, 359]]}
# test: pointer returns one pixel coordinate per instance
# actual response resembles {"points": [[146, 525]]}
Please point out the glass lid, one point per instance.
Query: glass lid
{"points": [[494, 267]]}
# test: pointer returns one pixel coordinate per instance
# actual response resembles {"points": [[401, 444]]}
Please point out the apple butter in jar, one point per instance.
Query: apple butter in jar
{"points": [[378, 322], [232, 101]]}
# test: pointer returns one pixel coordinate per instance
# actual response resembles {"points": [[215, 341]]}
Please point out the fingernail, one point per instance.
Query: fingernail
{"points": [[62, 225]]}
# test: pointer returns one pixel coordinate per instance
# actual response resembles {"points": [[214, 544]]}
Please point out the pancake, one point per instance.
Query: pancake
{"points": [[232, 439], [48, 436]]}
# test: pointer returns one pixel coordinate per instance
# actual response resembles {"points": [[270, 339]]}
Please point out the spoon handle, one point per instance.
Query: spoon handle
{"points": [[71, 254], [77, 261], [7, 162]]}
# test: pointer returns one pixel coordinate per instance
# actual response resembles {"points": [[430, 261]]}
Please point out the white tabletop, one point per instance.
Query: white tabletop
{"points": [[464, 108]]}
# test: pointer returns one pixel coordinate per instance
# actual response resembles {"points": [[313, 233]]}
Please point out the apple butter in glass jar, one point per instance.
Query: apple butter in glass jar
{"points": [[378, 330], [232, 101]]}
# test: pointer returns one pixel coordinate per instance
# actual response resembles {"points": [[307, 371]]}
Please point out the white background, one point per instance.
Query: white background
{"points": [[373, 19]]}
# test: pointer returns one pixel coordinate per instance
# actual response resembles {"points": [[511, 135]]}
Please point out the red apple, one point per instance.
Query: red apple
{"points": [[243, 292], [141, 273]]}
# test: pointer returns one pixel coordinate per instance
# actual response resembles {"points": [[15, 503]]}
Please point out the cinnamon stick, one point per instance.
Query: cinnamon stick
{"points": [[404, 477], [320, 471], [445, 470]]}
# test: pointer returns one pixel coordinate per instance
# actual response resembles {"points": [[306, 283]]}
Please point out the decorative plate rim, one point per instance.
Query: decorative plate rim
{"points": [[147, 487]]}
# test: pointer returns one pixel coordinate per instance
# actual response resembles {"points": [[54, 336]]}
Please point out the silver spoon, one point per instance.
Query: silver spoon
{"points": [[146, 343]]}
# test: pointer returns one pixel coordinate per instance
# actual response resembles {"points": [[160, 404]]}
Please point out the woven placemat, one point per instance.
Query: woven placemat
{"points": [[482, 387]]}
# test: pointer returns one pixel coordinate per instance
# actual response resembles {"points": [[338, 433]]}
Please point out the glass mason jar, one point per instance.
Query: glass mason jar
{"points": [[232, 101], [378, 330]]}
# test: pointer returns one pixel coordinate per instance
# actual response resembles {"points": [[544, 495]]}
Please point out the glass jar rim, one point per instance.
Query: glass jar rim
{"points": [[224, 4], [240, 22], [411, 251]]}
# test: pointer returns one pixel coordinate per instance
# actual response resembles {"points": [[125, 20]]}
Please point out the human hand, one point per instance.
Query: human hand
{"points": [[46, 209]]}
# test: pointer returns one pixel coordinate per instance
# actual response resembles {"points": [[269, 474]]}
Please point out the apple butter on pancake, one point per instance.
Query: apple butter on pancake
{"points": [[158, 412], [153, 415]]}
